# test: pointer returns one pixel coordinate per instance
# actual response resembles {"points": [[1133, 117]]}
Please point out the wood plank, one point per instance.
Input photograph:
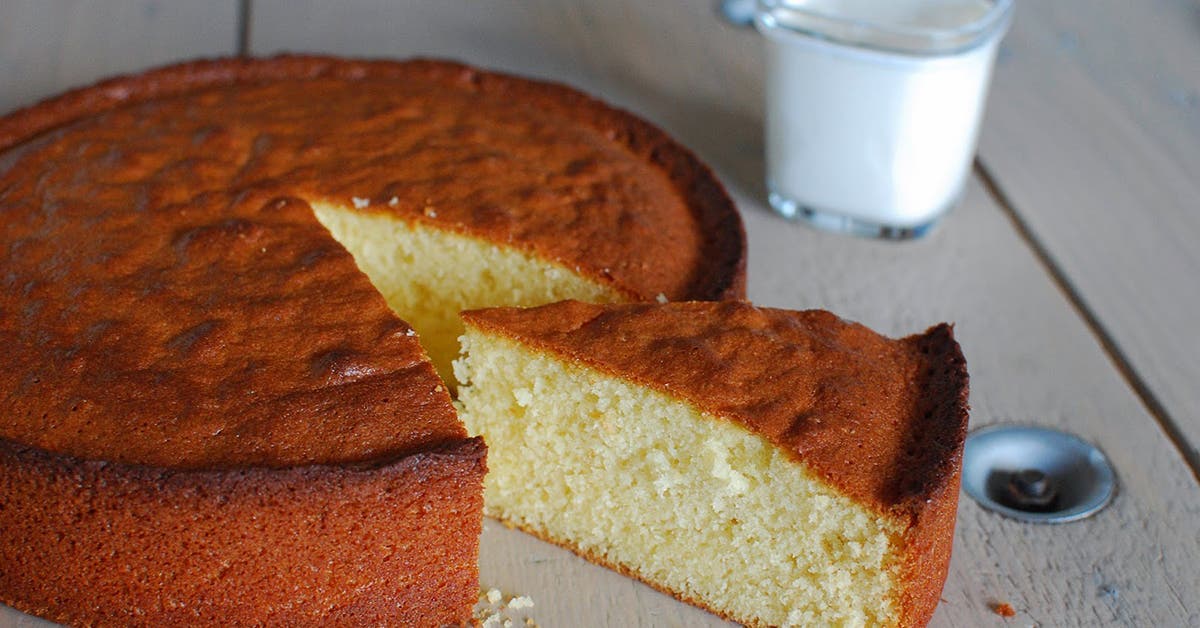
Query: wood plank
{"points": [[1093, 132], [46, 47], [1032, 358]]}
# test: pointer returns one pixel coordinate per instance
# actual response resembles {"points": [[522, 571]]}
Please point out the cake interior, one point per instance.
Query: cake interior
{"points": [[690, 503], [428, 275]]}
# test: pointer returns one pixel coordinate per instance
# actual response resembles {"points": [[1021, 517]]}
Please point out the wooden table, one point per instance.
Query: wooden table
{"points": [[1071, 268]]}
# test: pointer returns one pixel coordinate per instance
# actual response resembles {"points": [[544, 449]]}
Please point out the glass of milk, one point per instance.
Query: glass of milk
{"points": [[873, 107]]}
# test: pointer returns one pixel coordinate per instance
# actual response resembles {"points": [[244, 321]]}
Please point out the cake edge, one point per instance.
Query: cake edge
{"points": [[54, 476], [932, 510]]}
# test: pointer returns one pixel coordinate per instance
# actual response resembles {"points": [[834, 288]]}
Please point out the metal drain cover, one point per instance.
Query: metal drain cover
{"points": [[1036, 474]]}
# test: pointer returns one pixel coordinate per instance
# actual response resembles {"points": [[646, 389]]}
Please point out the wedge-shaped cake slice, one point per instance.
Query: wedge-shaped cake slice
{"points": [[774, 467]]}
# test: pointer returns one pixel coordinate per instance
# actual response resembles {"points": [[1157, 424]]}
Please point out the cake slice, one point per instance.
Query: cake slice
{"points": [[774, 467]]}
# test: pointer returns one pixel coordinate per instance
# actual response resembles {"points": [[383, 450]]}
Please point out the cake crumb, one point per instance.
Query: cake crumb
{"points": [[521, 601], [1004, 609], [496, 610], [661, 298], [360, 203]]}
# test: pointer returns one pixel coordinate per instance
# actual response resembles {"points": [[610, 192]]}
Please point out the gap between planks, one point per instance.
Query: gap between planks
{"points": [[245, 16], [1147, 397]]}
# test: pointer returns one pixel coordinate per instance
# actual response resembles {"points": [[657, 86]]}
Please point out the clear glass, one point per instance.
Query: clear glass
{"points": [[873, 108]]}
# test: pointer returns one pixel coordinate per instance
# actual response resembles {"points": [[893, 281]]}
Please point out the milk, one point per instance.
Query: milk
{"points": [[873, 107]]}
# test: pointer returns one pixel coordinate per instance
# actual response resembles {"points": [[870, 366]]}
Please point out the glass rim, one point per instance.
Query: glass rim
{"points": [[868, 34]]}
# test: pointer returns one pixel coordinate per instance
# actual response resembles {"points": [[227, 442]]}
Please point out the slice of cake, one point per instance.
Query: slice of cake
{"points": [[775, 467]]}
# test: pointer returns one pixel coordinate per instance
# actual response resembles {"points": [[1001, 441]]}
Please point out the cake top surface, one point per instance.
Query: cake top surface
{"points": [[535, 166], [219, 330], [169, 298], [883, 420]]}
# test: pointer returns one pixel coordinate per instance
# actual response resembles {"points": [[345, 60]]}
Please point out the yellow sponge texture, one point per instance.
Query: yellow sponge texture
{"points": [[688, 502], [428, 275]]}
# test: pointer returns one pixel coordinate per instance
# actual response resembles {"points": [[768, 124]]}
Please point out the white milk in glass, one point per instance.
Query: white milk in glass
{"points": [[873, 107]]}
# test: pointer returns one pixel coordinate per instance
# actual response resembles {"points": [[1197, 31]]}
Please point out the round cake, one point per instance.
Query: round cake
{"points": [[212, 414]]}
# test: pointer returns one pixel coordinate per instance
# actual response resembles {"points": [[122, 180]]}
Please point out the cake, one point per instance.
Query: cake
{"points": [[212, 415], [775, 467]]}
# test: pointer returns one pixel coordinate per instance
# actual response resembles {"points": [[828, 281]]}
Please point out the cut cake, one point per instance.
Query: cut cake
{"points": [[211, 415], [775, 467]]}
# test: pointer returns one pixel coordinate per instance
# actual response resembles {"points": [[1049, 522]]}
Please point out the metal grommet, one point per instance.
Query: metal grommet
{"points": [[1036, 474]]}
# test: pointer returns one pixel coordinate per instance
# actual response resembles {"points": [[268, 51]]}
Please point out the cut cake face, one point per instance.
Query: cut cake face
{"points": [[777, 468], [428, 275]]}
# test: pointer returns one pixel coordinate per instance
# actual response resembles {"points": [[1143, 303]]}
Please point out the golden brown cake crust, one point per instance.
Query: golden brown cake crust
{"points": [[882, 420], [390, 543], [226, 331], [566, 177]]}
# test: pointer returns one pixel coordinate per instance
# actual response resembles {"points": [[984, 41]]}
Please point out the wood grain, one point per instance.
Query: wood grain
{"points": [[1032, 359], [673, 66], [1093, 132], [46, 47]]}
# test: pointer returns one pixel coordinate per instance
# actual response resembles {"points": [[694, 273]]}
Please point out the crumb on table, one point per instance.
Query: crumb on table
{"points": [[1003, 609], [496, 610], [520, 601]]}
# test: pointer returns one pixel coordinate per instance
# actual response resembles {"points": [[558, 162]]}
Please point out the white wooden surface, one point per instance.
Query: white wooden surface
{"points": [[1094, 134], [1032, 358], [46, 47]]}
